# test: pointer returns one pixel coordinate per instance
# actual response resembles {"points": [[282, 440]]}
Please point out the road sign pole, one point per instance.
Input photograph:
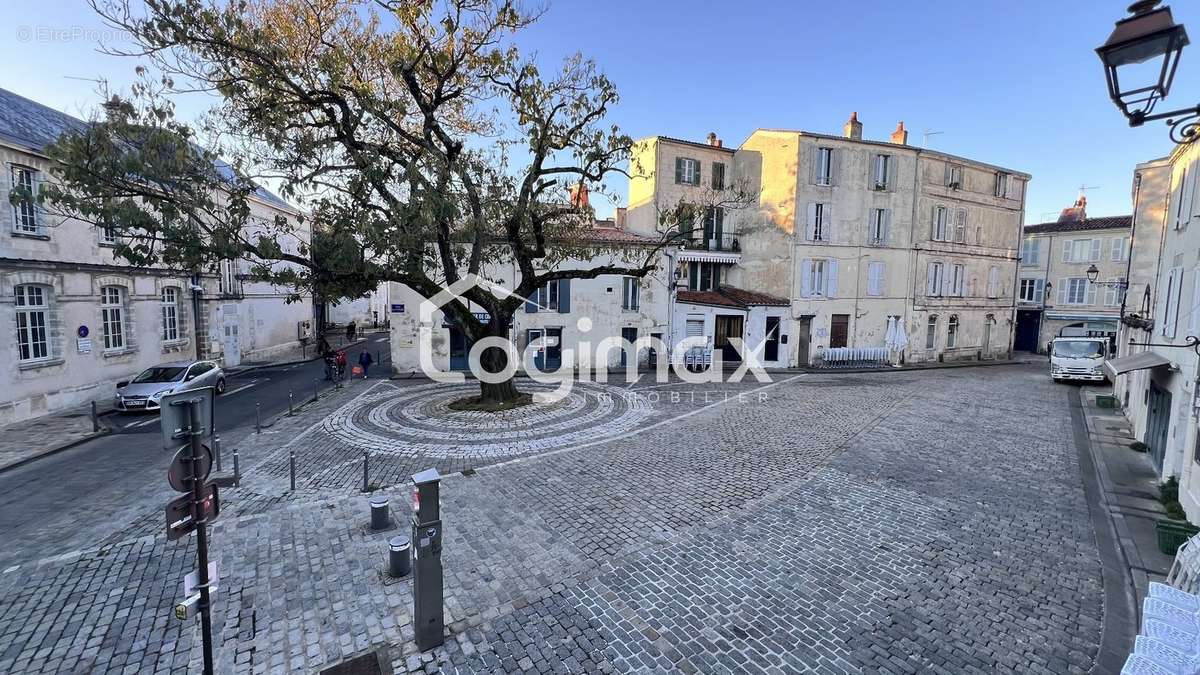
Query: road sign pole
{"points": [[195, 430]]}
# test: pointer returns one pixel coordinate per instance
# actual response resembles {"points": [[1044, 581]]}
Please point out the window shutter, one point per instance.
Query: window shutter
{"points": [[564, 296], [811, 231], [933, 223], [827, 228], [1195, 187], [531, 303], [678, 170], [719, 230], [1066, 252], [1062, 291], [930, 273], [6, 217], [1194, 314], [831, 282], [887, 225], [881, 281], [1189, 195], [1096, 245], [1173, 301], [814, 161], [1039, 289], [696, 176], [834, 155], [948, 176], [1091, 293], [806, 278], [1177, 200]]}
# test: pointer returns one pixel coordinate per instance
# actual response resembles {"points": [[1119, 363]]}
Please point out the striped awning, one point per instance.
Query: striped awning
{"points": [[688, 255]]}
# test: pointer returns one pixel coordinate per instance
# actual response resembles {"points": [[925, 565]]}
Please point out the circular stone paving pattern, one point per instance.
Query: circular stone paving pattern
{"points": [[418, 422]]}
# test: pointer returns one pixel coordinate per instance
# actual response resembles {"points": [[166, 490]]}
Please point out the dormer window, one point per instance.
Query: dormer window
{"points": [[954, 176], [25, 211]]}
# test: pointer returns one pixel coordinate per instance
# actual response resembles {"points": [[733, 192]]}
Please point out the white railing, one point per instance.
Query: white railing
{"points": [[854, 357]]}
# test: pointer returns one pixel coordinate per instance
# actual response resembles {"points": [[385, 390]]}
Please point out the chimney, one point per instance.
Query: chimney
{"points": [[619, 218], [853, 128], [900, 135], [713, 140], [579, 195], [1077, 213]]}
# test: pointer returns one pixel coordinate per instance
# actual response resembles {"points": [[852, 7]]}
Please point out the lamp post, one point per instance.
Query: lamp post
{"points": [[1144, 50], [1093, 272]]}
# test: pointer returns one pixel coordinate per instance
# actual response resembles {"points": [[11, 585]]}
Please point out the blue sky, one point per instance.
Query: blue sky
{"points": [[1014, 83]]}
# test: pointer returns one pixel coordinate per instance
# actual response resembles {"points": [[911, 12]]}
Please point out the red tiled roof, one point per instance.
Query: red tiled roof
{"points": [[614, 235], [1102, 223], [729, 296]]}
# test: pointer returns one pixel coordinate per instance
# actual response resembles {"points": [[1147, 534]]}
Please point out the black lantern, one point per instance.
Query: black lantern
{"points": [[1144, 51], [1092, 273]]}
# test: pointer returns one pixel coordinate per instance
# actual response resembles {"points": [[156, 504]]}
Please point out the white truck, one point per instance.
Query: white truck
{"points": [[1078, 358]]}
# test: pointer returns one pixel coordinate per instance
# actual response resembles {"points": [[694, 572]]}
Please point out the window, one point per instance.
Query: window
{"points": [[1031, 252], [993, 282], [1002, 179], [881, 172], [1171, 306], [875, 278], [548, 295], [824, 167], [718, 176], [230, 278], [952, 332], [941, 223], [704, 276], [169, 307], [958, 276], [960, 227], [629, 294], [1032, 290], [1081, 250], [933, 279], [1120, 249], [839, 330], [553, 296], [25, 211], [881, 220], [820, 225], [818, 278], [1114, 293], [112, 316], [1182, 215], [33, 311], [714, 227], [687, 171], [954, 176], [108, 234], [931, 332], [1074, 291]]}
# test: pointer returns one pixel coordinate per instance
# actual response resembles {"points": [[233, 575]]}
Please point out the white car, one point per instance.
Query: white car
{"points": [[147, 389]]}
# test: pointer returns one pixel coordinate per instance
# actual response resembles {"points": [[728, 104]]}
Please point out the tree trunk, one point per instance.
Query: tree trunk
{"points": [[494, 361]]}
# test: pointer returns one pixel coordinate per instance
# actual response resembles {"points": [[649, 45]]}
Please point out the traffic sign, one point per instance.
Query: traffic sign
{"points": [[191, 582], [179, 474], [181, 520], [174, 417]]}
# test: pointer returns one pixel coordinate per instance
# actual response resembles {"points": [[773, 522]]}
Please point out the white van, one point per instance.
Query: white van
{"points": [[1078, 358]]}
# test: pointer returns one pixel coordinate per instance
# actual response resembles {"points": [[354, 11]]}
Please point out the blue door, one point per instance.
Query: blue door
{"points": [[460, 346]]}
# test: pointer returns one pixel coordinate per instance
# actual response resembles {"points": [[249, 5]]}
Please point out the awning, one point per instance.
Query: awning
{"points": [[689, 255], [1133, 362]]}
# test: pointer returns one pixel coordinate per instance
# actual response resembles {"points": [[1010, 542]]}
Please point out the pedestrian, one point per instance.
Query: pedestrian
{"points": [[350, 330], [364, 360]]}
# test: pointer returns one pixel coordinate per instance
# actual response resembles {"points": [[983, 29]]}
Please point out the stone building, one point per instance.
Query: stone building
{"points": [[79, 320], [1054, 290], [844, 237]]}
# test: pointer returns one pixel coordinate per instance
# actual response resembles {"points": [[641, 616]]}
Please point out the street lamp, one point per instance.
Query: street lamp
{"points": [[1093, 272], [1149, 35]]}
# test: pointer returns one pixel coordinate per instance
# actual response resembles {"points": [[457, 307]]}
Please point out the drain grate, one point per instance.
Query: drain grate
{"points": [[371, 663]]}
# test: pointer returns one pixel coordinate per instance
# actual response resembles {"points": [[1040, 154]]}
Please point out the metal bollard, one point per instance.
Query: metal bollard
{"points": [[399, 556], [292, 463], [258, 418], [95, 419], [291, 398], [315, 380], [217, 451], [366, 484], [381, 516], [237, 471]]}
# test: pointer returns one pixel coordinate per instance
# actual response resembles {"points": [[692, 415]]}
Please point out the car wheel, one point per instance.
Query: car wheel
{"points": [[220, 386]]}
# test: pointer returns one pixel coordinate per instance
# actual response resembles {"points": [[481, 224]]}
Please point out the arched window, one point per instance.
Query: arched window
{"points": [[112, 317], [931, 332], [33, 319], [952, 332]]}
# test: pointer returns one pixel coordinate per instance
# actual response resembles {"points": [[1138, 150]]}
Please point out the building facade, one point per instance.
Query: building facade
{"points": [[79, 319], [841, 239], [1054, 290]]}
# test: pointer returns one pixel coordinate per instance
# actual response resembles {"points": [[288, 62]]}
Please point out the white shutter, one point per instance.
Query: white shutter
{"points": [[933, 223], [1194, 313], [1110, 295], [1039, 290], [827, 222], [1195, 187], [1091, 293], [1173, 294], [930, 279], [1067, 245], [873, 278], [806, 278], [833, 166], [887, 225], [831, 278], [1189, 195], [814, 164], [6, 215], [1097, 244], [1177, 200], [1062, 291], [811, 222]]}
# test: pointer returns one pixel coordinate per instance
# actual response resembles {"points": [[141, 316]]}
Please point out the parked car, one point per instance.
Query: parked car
{"points": [[1078, 358], [147, 389]]}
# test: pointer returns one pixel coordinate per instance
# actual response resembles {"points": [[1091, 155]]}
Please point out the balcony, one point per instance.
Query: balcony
{"points": [[724, 247]]}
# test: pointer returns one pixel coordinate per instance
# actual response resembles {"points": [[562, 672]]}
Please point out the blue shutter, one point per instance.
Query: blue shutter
{"points": [[531, 305], [564, 296]]}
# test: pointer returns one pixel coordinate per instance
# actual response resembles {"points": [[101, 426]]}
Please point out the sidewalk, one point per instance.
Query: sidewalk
{"points": [[1129, 483], [302, 354], [28, 440]]}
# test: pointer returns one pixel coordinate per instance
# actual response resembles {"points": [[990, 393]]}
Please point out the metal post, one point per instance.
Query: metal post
{"points": [[237, 473], [365, 471], [291, 398], [292, 462], [217, 451], [315, 380], [198, 517], [258, 418], [399, 556], [95, 419], [429, 618], [381, 516]]}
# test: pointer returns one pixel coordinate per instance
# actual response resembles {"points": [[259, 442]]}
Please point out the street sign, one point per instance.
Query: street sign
{"points": [[192, 580], [180, 520], [179, 474], [175, 418]]}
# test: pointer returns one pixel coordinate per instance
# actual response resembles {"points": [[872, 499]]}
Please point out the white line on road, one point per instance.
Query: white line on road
{"points": [[243, 387], [143, 423]]}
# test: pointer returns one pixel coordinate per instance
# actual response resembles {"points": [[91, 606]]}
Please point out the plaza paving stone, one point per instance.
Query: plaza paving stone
{"points": [[896, 522]]}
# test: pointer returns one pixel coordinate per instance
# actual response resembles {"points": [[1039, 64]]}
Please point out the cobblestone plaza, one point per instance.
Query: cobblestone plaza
{"points": [[929, 521]]}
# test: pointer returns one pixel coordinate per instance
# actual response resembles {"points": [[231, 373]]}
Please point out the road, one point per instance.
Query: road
{"points": [[84, 492]]}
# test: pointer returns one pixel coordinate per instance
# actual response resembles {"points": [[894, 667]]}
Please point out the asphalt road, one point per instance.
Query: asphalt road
{"points": [[80, 494]]}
